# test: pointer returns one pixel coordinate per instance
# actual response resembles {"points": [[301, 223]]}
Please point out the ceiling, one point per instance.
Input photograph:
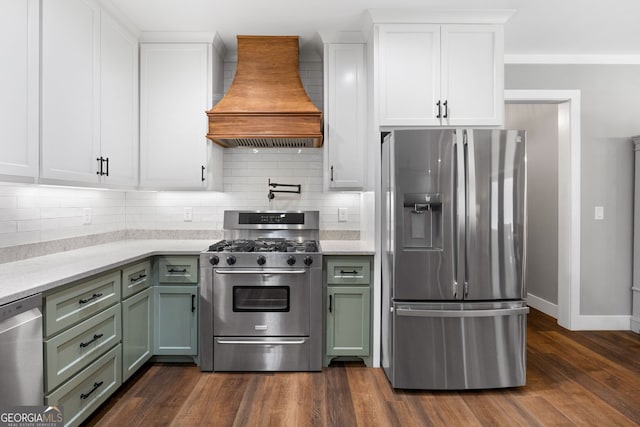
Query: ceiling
{"points": [[539, 27]]}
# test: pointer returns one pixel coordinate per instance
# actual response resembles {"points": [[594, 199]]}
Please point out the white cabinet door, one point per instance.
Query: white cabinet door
{"points": [[175, 92], [70, 90], [472, 75], [440, 75], [409, 74], [345, 126], [19, 35], [118, 103]]}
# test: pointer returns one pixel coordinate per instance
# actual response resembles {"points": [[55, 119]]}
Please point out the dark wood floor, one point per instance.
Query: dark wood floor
{"points": [[573, 378]]}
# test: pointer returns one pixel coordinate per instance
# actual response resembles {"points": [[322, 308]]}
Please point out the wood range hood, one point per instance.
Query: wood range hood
{"points": [[266, 105]]}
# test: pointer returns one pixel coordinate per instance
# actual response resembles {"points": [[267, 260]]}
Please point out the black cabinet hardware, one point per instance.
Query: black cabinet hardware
{"points": [[95, 337], [439, 105], [446, 109], [177, 270], [135, 279], [84, 396], [330, 302], [94, 296], [102, 170], [348, 272], [193, 303], [202, 169], [331, 173]]}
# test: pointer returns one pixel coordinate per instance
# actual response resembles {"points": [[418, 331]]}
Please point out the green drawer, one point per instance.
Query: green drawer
{"points": [[178, 269], [83, 393], [135, 278], [349, 270], [80, 301], [71, 351]]}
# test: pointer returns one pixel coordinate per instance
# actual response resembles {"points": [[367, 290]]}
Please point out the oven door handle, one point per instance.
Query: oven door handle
{"points": [[254, 342], [260, 271]]}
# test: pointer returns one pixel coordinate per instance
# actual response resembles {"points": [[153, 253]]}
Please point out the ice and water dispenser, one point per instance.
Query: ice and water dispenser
{"points": [[422, 221]]}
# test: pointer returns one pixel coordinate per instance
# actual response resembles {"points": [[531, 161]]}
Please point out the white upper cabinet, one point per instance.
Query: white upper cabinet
{"points": [[89, 93], [409, 74], [118, 103], [176, 82], [345, 115], [19, 35], [440, 75]]}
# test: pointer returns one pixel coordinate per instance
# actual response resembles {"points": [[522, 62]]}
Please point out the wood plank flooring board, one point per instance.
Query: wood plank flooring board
{"points": [[573, 379]]}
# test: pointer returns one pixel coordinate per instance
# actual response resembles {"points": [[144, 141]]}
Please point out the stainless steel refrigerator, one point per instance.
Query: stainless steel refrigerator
{"points": [[453, 245]]}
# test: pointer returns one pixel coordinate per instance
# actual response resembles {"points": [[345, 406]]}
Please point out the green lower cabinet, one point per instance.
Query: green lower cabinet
{"points": [[348, 322], [137, 331], [87, 390], [175, 320]]}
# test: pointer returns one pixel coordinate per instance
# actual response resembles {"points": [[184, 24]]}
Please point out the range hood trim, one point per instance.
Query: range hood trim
{"points": [[266, 99]]}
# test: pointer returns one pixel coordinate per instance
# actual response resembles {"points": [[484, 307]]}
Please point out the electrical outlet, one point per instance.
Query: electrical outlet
{"points": [[86, 216], [188, 214], [342, 214]]}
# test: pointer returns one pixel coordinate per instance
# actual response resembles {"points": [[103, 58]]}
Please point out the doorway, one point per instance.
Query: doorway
{"points": [[565, 107]]}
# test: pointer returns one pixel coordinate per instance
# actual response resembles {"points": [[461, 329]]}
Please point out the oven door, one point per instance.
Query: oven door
{"points": [[261, 302]]}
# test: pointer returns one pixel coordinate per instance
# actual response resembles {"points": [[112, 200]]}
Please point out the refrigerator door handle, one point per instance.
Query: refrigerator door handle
{"points": [[471, 218], [459, 213], [462, 313]]}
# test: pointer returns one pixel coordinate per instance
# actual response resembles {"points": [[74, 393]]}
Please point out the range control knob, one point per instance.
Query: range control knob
{"points": [[291, 260], [261, 260], [231, 260], [308, 260], [214, 260]]}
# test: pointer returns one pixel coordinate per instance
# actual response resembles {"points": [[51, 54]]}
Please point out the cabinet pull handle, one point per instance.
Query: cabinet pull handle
{"points": [[193, 303], [439, 105], [332, 173], [99, 159], [94, 296], [95, 337], [84, 396], [330, 303], [177, 270], [446, 110], [202, 169], [348, 272], [135, 279], [107, 160]]}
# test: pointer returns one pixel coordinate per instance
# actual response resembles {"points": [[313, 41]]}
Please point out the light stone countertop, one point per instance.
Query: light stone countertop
{"points": [[346, 247], [20, 279], [34, 275]]}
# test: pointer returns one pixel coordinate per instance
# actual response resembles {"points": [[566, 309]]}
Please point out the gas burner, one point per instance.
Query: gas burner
{"points": [[264, 244]]}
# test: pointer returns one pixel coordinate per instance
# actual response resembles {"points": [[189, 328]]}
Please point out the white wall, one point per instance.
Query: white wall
{"points": [[610, 98]]}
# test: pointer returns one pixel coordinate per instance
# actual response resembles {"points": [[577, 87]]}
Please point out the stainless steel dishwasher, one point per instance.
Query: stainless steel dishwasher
{"points": [[21, 352]]}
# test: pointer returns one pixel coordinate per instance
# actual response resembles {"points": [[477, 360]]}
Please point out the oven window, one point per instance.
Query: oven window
{"points": [[261, 298]]}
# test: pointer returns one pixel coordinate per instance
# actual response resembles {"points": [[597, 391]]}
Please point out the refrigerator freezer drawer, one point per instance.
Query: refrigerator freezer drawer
{"points": [[464, 347]]}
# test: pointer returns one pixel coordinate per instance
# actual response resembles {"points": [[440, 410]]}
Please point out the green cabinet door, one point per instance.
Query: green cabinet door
{"points": [[348, 311], [175, 315], [137, 318]]}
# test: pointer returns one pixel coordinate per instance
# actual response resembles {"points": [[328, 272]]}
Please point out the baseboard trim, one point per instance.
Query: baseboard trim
{"points": [[602, 323], [542, 305], [635, 324]]}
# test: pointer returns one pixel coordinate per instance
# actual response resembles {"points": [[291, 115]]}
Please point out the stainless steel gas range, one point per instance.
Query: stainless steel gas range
{"points": [[261, 294]]}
